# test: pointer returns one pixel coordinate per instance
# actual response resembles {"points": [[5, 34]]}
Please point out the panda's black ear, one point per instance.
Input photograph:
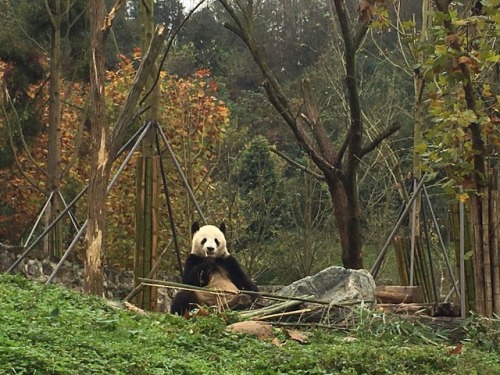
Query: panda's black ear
{"points": [[222, 228], [195, 227]]}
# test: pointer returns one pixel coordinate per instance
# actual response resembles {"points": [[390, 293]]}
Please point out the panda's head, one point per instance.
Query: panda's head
{"points": [[209, 241]]}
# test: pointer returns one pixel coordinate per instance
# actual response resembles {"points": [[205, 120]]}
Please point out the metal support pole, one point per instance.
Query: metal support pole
{"points": [[70, 214], [443, 247], [39, 218], [169, 203], [378, 263], [183, 177], [47, 230]]}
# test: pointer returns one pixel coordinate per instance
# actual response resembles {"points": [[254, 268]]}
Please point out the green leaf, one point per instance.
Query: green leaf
{"points": [[54, 313], [421, 148]]}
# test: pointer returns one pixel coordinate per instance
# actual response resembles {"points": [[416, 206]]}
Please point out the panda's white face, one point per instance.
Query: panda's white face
{"points": [[209, 241]]}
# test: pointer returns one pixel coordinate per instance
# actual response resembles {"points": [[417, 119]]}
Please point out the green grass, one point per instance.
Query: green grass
{"points": [[52, 330]]}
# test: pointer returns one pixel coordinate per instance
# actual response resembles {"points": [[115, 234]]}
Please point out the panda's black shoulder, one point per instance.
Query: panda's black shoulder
{"points": [[193, 260]]}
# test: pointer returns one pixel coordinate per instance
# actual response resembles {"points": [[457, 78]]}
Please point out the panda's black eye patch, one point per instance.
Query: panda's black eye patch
{"points": [[217, 242], [203, 241]]}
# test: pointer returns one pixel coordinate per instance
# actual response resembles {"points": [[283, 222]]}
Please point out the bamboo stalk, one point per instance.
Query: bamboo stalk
{"points": [[425, 269], [420, 272], [478, 254], [469, 263], [146, 215], [284, 314], [405, 243], [467, 243], [461, 220], [495, 240], [139, 232], [402, 270], [279, 307], [488, 290], [170, 284]]}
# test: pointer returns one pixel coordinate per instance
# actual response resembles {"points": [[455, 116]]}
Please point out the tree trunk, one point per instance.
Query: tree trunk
{"points": [[99, 174], [347, 222], [54, 134], [106, 139]]}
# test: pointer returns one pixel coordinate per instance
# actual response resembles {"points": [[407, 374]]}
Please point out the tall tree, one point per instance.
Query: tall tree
{"points": [[339, 165], [107, 139], [101, 146], [54, 171]]}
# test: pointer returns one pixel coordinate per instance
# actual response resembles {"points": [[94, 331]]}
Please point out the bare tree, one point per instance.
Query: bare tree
{"points": [[339, 165], [107, 139]]}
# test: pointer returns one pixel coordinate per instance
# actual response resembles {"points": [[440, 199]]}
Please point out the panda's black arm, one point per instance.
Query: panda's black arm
{"points": [[197, 270], [236, 274], [183, 301]]}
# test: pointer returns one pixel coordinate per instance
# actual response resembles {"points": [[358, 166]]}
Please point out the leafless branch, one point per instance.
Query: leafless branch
{"points": [[295, 164], [30, 180], [378, 139]]}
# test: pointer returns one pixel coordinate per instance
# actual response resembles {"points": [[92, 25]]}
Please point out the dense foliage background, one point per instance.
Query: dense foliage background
{"points": [[222, 128]]}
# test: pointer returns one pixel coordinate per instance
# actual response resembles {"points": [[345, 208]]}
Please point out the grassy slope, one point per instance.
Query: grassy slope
{"points": [[51, 330]]}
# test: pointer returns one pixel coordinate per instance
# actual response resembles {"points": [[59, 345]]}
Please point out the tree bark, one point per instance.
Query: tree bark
{"points": [[101, 139], [54, 174], [106, 139]]}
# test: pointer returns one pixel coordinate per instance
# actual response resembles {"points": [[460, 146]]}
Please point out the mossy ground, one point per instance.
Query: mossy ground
{"points": [[52, 330]]}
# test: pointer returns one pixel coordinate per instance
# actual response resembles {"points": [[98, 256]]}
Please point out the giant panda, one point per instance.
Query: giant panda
{"points": [[210, 265]]}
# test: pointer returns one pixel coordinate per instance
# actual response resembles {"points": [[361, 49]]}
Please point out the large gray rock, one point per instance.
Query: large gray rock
{"points": [[335, 285]]}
